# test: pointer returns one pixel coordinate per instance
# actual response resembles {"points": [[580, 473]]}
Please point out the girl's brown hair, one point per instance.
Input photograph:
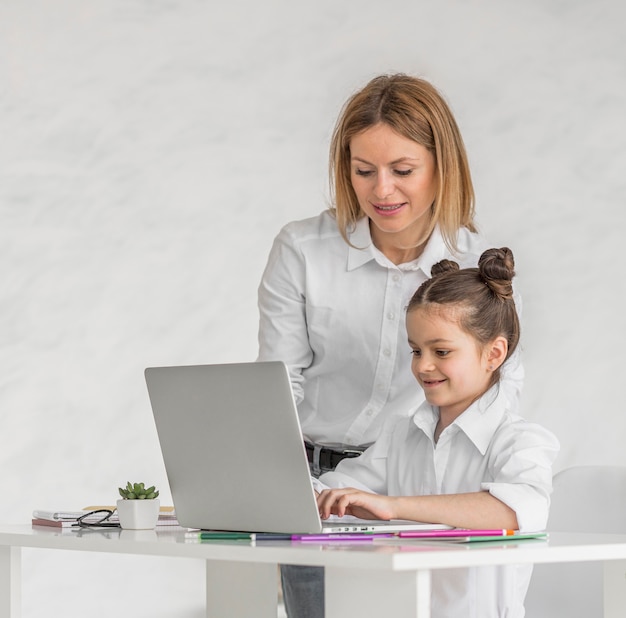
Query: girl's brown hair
{"points": [[483, 297], [416, 110]]}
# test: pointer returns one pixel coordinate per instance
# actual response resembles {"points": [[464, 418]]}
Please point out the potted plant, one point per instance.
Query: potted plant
{"points": [[139, 506]]}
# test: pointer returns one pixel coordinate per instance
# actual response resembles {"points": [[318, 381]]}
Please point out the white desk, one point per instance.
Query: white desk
{"points": [[365, 579]]}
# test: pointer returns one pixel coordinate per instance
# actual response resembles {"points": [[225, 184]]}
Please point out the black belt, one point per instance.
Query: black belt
{"points": [[330, 457]]}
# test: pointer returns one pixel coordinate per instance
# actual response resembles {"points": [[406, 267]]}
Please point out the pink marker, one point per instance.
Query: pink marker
{"points": [[340, 537], [441, 534]]}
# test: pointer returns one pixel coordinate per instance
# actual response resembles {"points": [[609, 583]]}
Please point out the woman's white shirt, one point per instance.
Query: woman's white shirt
{"points": [[335, 314], [489, 448]]}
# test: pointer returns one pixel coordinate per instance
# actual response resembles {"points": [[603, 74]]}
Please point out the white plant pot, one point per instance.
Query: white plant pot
{"points": [[139, 535], [138, 514]]}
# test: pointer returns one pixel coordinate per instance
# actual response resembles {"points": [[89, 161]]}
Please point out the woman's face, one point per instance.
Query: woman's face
{"points": [[395, 183]]}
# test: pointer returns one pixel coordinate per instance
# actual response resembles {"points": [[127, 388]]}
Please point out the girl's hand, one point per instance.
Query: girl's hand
{"points": [[349, 501]]}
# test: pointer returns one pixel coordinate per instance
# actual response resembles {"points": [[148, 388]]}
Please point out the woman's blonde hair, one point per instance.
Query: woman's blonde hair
{"points": [[416, 110]]}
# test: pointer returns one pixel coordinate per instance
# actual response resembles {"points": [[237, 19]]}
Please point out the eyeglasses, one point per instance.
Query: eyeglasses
{"points": [[97, 519]]}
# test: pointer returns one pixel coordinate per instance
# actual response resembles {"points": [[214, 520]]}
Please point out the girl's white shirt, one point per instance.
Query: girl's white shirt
{"points": [[488, 447], [335, 314]]}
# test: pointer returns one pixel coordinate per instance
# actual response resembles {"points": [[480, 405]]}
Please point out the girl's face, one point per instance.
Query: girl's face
{"points": [[448, 363], [394, 180]]}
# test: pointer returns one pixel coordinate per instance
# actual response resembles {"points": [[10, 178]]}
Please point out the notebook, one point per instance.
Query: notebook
{"points": [[234, 453]]}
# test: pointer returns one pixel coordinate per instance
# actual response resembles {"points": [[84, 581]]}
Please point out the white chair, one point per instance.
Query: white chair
{"points": [[585, 499]]}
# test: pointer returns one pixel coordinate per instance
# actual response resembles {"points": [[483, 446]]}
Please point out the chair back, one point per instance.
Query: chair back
{"points": [[584, 499]]}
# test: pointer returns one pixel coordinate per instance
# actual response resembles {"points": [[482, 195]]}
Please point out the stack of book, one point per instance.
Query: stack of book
{"points": [[68, 519], [61, 519], [167, 517]]}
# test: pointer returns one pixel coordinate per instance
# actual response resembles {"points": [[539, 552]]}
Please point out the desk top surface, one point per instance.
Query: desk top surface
{"points": [[387, 554]]}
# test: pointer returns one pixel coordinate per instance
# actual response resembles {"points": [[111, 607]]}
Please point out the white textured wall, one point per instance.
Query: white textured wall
{"points": [[151, 149]]}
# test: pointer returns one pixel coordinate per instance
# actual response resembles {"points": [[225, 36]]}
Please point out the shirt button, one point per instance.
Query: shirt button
{"points": [[387, 352], [396, 277], [391, 315], [369, 412]]}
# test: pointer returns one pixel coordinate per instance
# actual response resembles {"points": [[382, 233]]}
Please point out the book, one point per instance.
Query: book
{"points": [[513, 537], [55, 523], [163, 510], [461, 535], [69, 516], [57, 515]]}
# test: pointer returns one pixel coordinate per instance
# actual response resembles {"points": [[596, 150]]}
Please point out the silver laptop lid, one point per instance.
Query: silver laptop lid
{"points": [[232, 447]]}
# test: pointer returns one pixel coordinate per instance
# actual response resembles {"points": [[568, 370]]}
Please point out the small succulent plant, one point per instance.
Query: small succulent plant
{"points": [[137, 491]]}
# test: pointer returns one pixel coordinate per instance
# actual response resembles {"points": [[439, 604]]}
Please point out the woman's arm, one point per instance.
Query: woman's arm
{"points": [[282, 314]]}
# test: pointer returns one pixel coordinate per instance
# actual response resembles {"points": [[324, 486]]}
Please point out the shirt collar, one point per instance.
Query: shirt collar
{"points": [[361, 249], [479, 422], [425, 418]]}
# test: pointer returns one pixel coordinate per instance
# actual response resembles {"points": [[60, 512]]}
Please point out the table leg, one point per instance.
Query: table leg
{"points": [[245, 590], [614, 588], [371, 594], [10, 582]]}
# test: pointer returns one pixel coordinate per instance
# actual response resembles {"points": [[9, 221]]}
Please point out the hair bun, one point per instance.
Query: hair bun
{"points": [[445, 266], [497, 269]]}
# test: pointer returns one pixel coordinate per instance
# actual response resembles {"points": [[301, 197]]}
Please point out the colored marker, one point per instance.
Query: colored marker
{"points": [[341, 537], [205, 535], [456, 532]]}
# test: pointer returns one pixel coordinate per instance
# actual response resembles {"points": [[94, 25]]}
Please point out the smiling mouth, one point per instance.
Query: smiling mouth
{"points": [[431, 383], [388, 207]]}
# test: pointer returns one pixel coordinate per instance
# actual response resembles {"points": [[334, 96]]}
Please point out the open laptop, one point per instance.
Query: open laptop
{"points": [[234, 453]]}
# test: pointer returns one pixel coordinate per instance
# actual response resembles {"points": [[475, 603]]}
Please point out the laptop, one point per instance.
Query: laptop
{"points": [[234, 453]]}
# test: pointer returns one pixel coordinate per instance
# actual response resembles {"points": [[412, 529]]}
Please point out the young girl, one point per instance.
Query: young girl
{"points": [[463, 458]]}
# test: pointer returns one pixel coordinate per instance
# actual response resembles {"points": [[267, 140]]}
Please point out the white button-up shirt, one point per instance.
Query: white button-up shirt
{"points": [[489, 448], [335, 314]]}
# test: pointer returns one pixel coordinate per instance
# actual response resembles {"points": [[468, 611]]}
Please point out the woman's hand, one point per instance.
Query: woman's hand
{"points": [[349, 501]]}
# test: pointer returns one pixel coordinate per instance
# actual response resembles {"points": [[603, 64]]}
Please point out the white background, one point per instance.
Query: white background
{"points": [[150, 150]]}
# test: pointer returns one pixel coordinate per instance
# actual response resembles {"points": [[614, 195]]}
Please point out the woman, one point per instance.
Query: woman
{"points": [[333, 295]]}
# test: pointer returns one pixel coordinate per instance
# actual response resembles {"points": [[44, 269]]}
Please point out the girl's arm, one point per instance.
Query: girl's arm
{"points": [[468, 510]]}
